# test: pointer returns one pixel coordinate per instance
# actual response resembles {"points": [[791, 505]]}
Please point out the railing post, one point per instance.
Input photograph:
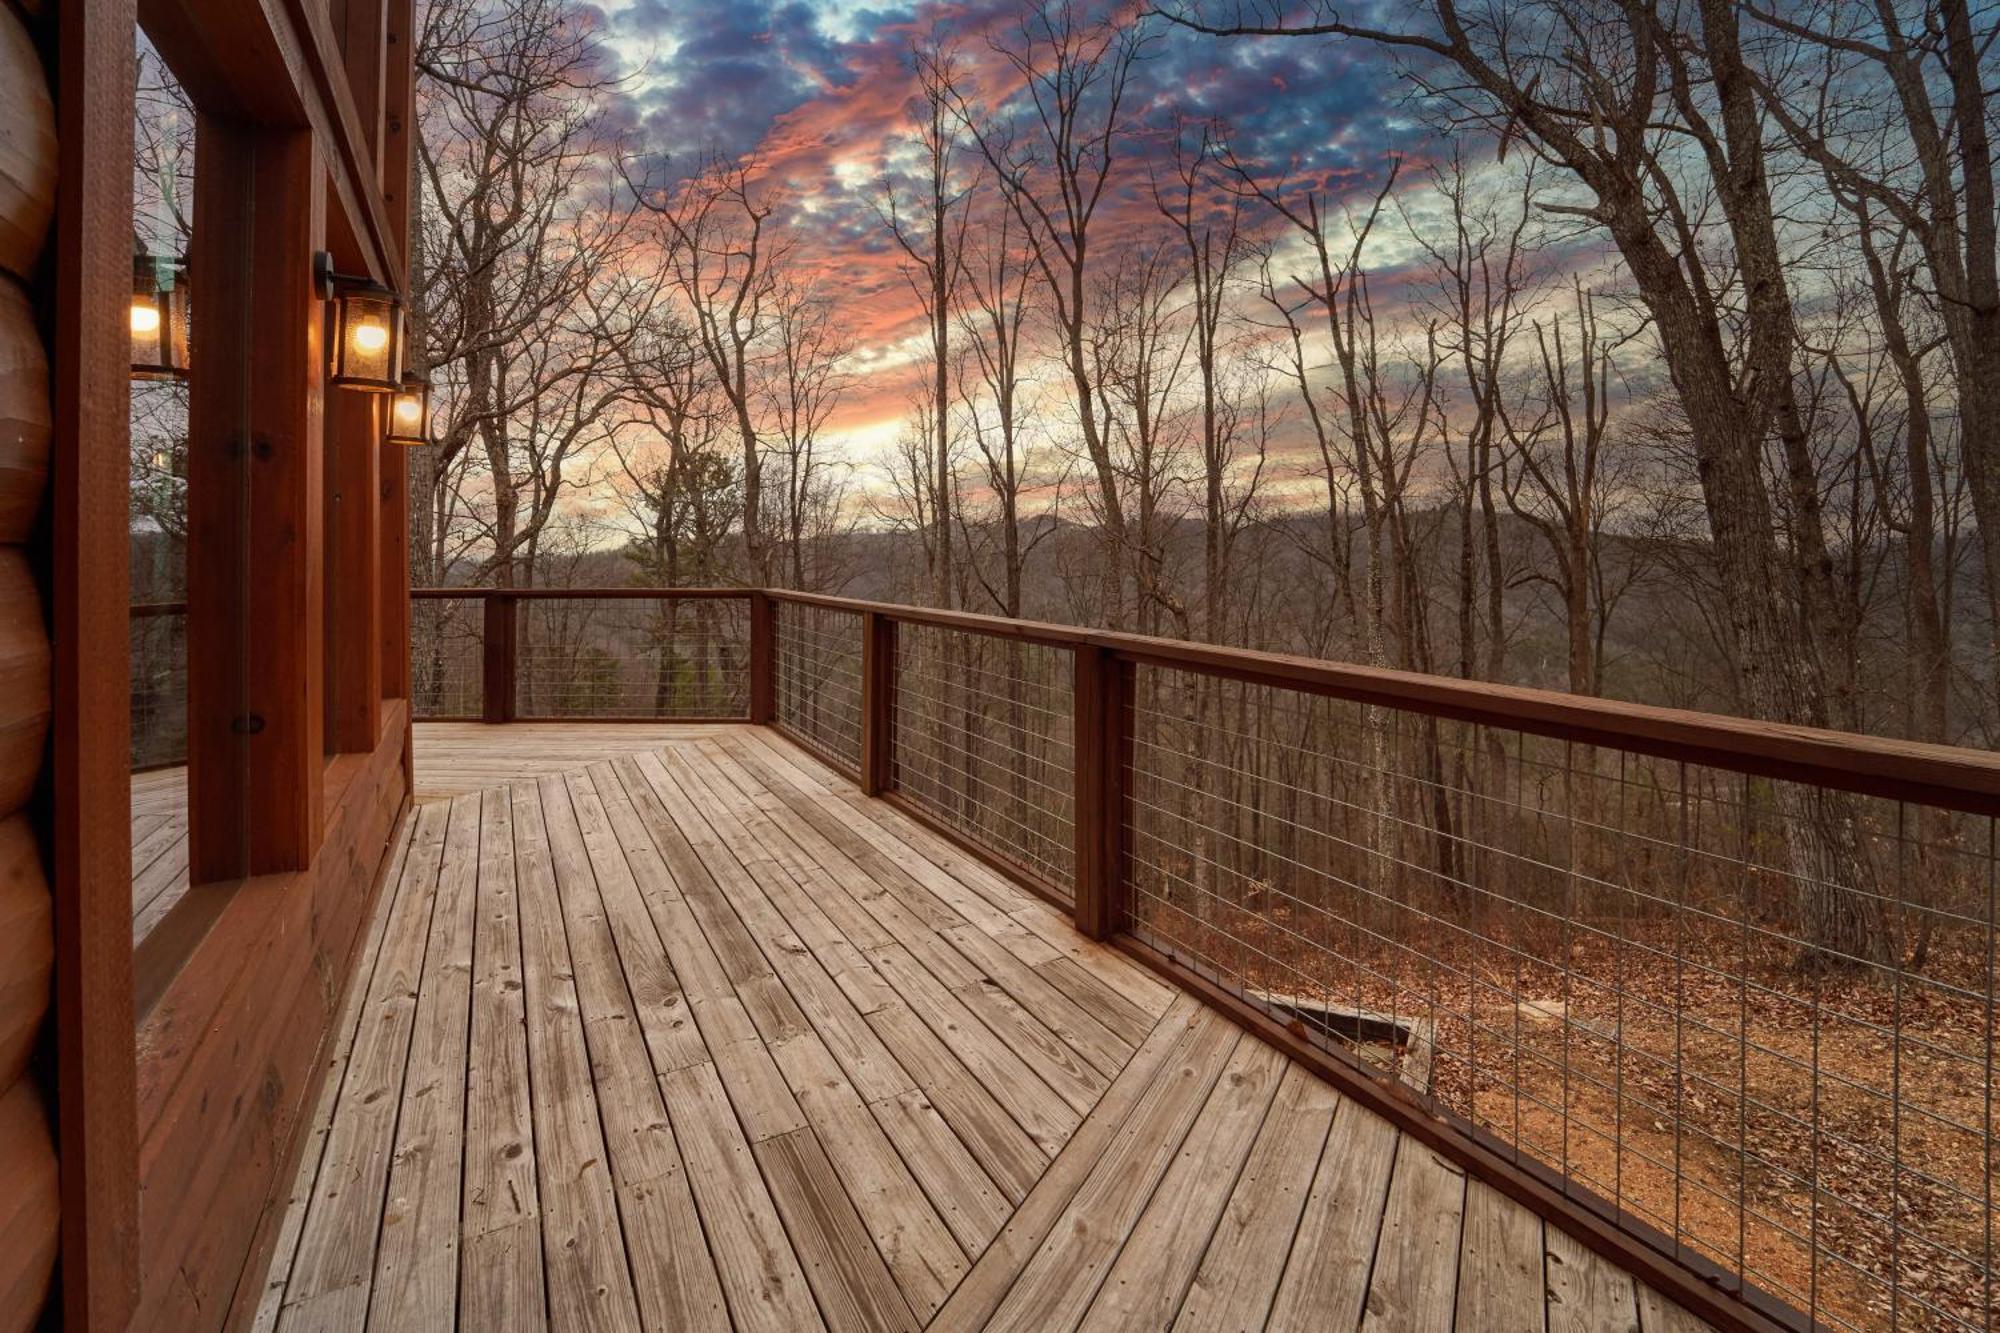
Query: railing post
{"points": [[496, 681], [763, 658], [878, 702], [1101, 716]]}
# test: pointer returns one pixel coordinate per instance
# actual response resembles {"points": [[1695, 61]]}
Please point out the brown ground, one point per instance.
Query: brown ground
{"points": [[1731, 1141]]}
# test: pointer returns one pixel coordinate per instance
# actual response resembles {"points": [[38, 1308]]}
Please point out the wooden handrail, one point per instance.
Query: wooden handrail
{"points": [[1947, 776], [586, 594], [500, 636]]}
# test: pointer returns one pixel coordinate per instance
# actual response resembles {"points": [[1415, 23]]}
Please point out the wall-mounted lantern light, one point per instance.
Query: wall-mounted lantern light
{"points": [[410, 411], [366, 330], [159, 317]]}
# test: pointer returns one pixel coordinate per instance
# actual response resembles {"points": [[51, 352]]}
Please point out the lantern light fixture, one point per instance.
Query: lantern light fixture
{"points": [[366, 333], [159, 317], [410, 411]]}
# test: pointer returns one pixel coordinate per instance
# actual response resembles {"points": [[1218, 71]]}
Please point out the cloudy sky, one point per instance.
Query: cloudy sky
{"points": [[818, 92]]}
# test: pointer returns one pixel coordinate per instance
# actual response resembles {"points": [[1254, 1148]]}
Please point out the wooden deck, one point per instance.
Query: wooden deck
{"points": [[159, 846], [694, 1036], [452, 758]]}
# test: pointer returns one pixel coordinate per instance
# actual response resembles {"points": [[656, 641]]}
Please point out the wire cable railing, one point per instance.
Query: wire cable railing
{"points": [[1716, 996], [159, 684], [586, 654]]}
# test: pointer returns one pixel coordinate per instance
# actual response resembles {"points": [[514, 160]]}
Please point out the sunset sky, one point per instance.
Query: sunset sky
{"points": [[817, 92]]}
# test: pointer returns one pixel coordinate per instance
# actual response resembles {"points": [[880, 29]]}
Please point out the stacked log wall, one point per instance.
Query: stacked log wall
{"points": [[29, 1208]]}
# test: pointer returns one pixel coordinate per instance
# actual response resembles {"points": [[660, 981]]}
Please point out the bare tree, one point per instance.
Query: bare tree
{"points": [[927, 215], [1054, 153], [1358, 429], [727, 259], [1904, 480], [525, 289], [1895, 103], [1208, 221], [1482, 260], [1139, 340], [994, 400], [800, 388], [1558, 476], [679, 486], [1631, 103]]}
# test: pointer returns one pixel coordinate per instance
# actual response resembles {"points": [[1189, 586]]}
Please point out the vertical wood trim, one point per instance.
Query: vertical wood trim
{"points": [[354, 584], [256, 473], [97, 1146], [497, 656], [878, 702], [763, 658], [393, 605], [360, 26], [1102, 717], [395, 154]]}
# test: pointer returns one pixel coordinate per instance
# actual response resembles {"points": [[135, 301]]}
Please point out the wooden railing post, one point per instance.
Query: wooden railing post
{"points": [[878, 701], [496, 677], [763, 658], [1103, 735]]}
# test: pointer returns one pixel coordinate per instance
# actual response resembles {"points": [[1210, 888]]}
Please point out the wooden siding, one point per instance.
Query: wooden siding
{"points": [[229, 1052]]}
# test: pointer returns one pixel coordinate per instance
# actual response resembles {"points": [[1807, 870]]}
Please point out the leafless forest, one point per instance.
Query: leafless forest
{"points": [[1665, 369], [1659, 361]]}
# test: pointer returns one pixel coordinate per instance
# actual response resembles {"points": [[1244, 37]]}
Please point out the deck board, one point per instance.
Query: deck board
{"points": [[682, 1032]]}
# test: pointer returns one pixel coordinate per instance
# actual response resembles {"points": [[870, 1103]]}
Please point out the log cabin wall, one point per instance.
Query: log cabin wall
{"points": [[29, 1209], [151, 1156]]}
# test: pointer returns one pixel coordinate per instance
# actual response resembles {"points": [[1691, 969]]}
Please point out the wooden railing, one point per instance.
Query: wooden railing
{"points": [[1716, 995], [603, 654], [158, 647]]}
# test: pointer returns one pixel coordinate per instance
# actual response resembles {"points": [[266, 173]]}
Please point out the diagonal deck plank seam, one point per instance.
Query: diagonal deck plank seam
{"points": [[685, 1033]]}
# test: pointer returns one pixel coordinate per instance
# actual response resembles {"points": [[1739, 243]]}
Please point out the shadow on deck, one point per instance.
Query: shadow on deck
{"points": [[671, 1028]]}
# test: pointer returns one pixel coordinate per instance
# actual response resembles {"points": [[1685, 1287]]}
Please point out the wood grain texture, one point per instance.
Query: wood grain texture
{"points": [[392, 621], [27, 947], [88, 518], [232, 1049], [28, 159], [256, 522], [735, 1052], [26, 422], [1325, 1280], [354, 581], [24, 681], [27, 1207], [1239, 1272], [1587, 1293], [1501, 1283], [1154, 1268], [1414, 1285]]}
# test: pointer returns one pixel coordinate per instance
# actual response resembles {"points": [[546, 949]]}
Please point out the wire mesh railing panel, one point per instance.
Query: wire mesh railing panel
{"points": [[983, 741], [632, 658], [817, 678], [447, 650], [159, 686], [1755, 1016]]}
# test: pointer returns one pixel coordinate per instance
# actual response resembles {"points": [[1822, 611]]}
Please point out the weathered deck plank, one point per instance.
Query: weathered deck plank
{"points": [[686, 1034], [416, 1257], [1239, 1272]]}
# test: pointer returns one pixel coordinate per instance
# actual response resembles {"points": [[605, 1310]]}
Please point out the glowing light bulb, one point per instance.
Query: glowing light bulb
{"points": [[409, 411], [145, 317], [370, 337]]}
